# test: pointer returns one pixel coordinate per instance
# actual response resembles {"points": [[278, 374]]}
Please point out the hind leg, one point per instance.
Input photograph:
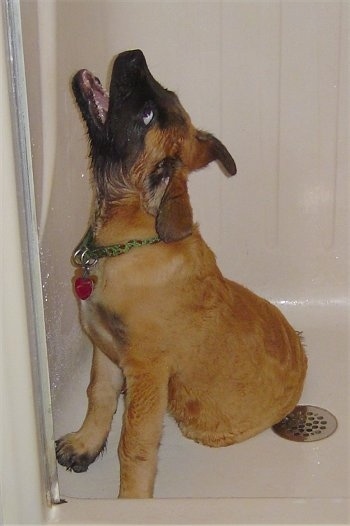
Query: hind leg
{"points": [[76, 451]]}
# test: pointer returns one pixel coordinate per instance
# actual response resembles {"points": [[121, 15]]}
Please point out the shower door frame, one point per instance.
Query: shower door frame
{"points": [[30, 247]]}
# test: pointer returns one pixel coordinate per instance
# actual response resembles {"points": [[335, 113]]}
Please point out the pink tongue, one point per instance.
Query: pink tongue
{"points": [[83, 288]]}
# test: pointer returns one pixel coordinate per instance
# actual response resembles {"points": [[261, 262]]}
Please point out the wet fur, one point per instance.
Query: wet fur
{"points": [[224, 362]]}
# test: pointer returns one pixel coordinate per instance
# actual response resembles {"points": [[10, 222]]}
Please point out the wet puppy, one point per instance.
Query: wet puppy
{"points": [[224, 362]]}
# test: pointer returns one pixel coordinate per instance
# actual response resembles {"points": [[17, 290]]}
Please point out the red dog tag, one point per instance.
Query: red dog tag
{"points": [[83, 288]]}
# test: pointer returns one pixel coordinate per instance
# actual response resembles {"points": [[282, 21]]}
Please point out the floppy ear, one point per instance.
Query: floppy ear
{"points": [[174, 217], [207, 149]]}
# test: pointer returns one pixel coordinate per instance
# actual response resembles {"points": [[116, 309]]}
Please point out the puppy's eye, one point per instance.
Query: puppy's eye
{"points": [[147, 117]]}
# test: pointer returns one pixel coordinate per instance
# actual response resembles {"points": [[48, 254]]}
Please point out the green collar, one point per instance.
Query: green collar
{"points": [[86, 254]]}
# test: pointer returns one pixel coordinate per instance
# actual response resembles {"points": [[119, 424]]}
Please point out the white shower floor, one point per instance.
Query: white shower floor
{"points": [[266, 466]]}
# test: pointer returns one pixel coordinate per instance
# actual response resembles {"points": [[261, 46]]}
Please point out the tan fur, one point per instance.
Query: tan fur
{"points": [[224, 362]]}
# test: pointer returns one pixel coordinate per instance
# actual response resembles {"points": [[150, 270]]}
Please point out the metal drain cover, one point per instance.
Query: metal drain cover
{"points": [[306, 423]]}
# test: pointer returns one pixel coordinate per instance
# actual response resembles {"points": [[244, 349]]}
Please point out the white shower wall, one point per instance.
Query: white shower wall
{"points": [[268, 78]]}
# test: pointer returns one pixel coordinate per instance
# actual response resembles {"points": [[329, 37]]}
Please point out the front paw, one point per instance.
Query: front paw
{"points": [[73, 454]]}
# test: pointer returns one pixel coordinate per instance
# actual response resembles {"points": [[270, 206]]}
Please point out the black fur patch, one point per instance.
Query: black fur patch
{"points": [[164, 170], [113, 323]]}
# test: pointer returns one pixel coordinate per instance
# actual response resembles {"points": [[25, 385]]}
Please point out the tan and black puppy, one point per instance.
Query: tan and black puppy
{"points": [[223, 361]]}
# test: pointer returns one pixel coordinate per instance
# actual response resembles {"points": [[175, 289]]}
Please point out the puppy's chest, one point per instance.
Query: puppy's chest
{"points": [[137, 297], [140, 277], [122, 298]]}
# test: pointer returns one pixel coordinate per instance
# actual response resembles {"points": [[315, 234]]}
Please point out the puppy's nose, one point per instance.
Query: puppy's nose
{"points": [[133, 59]]}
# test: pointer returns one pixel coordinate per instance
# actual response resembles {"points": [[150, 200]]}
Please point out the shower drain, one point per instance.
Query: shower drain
{"points": [[306, 423]]}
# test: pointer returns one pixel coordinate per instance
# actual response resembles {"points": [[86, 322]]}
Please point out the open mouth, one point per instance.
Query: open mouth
{"points": [[94, 101], [91, 96]]}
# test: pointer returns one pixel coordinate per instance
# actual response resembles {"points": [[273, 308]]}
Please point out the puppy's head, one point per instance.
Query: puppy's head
{"points": [[143, 143]]}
